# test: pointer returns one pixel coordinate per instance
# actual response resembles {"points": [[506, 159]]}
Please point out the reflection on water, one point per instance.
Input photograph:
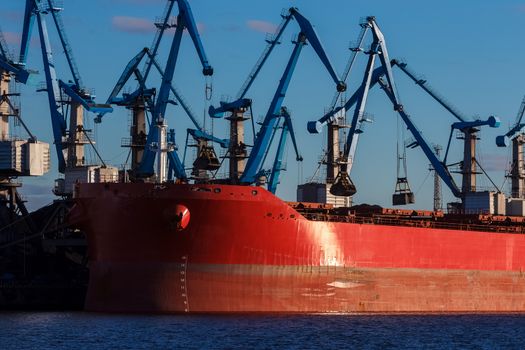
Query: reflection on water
{"points": [[90, 331]]}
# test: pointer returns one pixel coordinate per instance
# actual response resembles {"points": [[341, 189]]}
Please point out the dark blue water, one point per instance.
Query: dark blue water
{"points": [[100, 331]]}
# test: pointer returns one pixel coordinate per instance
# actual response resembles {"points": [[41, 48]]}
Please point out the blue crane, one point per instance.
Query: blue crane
{"points": [[343, 185], [237, 108], [143, 95], [439, 166], [287, 128], [262, 140], [58, 121], [132, 67], [332, 152], [186, 21], [37, 9], [74, 89]]}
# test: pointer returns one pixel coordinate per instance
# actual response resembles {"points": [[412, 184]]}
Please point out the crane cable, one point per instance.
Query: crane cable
{"points": [[400, 135]]}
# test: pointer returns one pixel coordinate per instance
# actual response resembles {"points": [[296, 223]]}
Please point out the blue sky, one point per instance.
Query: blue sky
{"points": [[469, 50]]}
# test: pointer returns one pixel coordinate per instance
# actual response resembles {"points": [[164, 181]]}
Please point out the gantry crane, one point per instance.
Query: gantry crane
{"points": [[252, 171]]}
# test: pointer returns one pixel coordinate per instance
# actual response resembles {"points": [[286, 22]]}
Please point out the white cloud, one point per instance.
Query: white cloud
{"points": [[12, 38], [132, 24], [261, 26], [141, 25]]}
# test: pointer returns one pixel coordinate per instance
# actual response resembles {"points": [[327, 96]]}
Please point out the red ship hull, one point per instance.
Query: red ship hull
{"points": [[245, 250]]}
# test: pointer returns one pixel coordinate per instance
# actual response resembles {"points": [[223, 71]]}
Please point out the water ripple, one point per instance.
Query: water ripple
{"points": [[79, 330]]}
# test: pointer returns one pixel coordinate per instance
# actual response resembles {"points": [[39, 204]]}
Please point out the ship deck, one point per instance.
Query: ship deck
{"points": [[375, 215]]}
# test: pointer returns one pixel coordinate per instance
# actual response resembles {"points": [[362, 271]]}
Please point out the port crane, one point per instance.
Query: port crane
{"points": [[29, 241], [60, 93], [143, 99], [147, 147], [19, 157], [383, 76], [157, 133], [517, 138], [252, 171], [25, 234], [335, 122]]}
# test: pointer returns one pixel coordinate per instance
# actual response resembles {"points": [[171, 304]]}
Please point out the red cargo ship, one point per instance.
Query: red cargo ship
{"points": [[225, 248]]}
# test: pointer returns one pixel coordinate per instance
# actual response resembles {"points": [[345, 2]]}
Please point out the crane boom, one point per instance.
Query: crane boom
{"points": [[264, 56], [57, 18], [126, 74], [27, 30], [53, 91], [191, 26], [355, 50], [287, 128], [241, 102], [178, 96], [428, 89], [278, 162], [313, 39], [148, 159], [161, 28], [361, 100]]}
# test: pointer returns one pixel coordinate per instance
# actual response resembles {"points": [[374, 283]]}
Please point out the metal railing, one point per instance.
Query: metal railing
{"points": [[422, 223]]}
